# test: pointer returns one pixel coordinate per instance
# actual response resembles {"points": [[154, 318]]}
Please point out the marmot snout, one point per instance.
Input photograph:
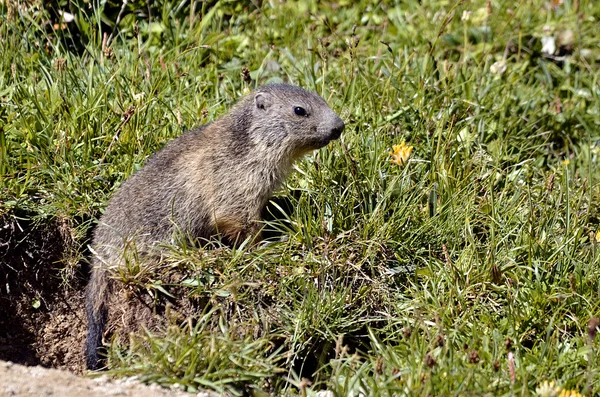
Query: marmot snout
{"points": [[213, 180], [302, 120]]}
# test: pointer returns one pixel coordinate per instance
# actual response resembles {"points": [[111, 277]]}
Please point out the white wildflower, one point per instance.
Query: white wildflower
{"points": [[67, 16], [498, 67]]}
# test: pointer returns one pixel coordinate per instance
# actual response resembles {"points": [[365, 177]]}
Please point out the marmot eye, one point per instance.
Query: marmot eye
{"points": [[300, 111]]}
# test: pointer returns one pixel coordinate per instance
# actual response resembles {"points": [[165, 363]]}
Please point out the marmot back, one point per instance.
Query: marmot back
{"points": [[213, 180]]}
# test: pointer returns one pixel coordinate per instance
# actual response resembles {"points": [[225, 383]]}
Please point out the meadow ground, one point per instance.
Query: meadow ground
{"points": [[469, 266]]}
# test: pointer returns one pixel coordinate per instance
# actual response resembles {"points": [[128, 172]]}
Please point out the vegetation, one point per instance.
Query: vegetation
{"points": [[470, 265]]}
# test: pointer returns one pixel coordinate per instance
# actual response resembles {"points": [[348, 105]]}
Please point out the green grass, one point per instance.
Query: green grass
{"points": [[393, 280]]}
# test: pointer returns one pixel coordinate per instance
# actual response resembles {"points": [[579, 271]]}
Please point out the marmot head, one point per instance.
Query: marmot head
{"points": [[293, 117]]}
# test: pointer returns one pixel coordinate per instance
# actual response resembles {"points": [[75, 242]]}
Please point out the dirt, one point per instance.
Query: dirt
{"points": [[42, 283], [20, 381]]}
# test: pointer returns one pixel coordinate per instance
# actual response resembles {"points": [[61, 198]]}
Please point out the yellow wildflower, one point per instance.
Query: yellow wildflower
{"points": [[598, 236], [547, 389], [566, 162], [570, 393], [551, 389], [400, 153]]}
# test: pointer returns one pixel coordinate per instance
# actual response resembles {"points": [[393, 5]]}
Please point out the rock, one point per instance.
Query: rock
{"points": [[20, 381]]}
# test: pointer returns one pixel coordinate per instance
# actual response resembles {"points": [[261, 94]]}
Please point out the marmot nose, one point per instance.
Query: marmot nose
{"points": [[337, 129]]}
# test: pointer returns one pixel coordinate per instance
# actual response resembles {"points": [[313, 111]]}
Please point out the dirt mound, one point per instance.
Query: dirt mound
{"points": [[41, 294]]}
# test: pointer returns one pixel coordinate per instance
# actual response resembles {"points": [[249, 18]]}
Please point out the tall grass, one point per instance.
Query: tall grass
{"points": [[471, 270]]}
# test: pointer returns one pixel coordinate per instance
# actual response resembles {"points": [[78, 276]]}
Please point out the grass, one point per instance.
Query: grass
{"points": [[471, 270]]}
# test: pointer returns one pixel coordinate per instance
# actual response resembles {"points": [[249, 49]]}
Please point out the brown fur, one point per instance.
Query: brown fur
{"points": [[214, 179]]}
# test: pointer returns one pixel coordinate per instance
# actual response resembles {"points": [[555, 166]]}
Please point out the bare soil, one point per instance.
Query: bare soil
{"points": [[42, 317], [20, 381]]}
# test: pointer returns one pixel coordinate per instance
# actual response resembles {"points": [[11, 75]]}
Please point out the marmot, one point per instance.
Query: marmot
{"points": [[213, 180]]}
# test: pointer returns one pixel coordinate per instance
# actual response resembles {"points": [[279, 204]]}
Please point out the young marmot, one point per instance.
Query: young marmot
{"points": [[213, 180]]}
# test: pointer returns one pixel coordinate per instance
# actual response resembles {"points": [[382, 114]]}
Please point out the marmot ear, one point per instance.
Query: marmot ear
{"points": [[262, 100]]}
